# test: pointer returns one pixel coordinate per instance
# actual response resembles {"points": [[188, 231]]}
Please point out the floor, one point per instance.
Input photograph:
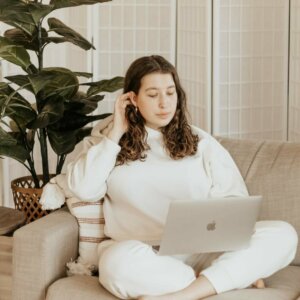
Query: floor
{"points": [[5, 267]]}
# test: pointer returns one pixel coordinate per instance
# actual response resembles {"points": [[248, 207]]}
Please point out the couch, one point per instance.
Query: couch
{"points": [[42, 248]]}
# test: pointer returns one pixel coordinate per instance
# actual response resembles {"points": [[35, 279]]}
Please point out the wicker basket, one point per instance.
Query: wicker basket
{"points": [[26, 197]]}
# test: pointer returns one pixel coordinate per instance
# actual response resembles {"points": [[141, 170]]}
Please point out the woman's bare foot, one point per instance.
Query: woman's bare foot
{"points": [[154, 298], [259, 284]]}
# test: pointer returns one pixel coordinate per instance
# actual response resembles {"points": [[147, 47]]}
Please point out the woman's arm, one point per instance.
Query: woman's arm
{"points": [[226, 177], [87, 175]]}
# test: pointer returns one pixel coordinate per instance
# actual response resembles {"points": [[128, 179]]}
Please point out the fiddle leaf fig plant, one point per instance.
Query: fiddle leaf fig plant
{"points": [[57, 111]]}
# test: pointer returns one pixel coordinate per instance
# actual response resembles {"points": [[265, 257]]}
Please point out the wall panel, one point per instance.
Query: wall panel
{"points": [[126, 30], [294, 80], [250, 56], [194, 58]]}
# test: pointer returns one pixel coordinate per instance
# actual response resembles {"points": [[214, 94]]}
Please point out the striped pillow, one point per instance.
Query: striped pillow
{"points": [[91, 228]]}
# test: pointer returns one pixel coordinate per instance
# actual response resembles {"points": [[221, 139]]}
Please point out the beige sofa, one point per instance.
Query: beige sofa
{"points": [[42, 248]]}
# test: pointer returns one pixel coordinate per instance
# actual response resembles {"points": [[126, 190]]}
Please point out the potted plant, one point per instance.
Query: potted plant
{"points": [[58, 112]]}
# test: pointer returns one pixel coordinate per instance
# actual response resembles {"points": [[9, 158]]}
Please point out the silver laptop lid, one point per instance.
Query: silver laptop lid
{"points": [[210, 225]]}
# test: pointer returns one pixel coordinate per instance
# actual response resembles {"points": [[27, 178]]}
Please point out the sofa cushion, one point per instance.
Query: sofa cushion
{"points": [[271, 169], [284, 285], [78, 287]]}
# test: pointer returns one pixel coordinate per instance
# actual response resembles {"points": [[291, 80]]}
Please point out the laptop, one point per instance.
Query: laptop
{"points": [[209, 225]]}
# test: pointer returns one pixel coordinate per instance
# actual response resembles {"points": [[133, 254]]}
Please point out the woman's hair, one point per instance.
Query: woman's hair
{"points": [[177, 135]]}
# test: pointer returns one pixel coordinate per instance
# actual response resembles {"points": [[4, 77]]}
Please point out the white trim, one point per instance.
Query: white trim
{"points": [[174, 32], [216, 67], [210, 103], [5, 162], [95, 36], [90, 37]]}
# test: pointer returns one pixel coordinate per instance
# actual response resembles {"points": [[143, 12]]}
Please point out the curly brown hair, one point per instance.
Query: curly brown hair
{"points": [[178, 138]]}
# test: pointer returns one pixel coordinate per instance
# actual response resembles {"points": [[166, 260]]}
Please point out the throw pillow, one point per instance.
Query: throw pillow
{"points": [[91, 229]]}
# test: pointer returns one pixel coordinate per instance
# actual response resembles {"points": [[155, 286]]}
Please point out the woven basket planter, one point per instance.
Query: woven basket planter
{"points": [[26, 198]]}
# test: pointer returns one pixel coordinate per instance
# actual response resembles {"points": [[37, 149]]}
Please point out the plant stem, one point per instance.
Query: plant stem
{"points": [[42, 131], [30, 159], [60, 162], [33, 173], [44, 153]]}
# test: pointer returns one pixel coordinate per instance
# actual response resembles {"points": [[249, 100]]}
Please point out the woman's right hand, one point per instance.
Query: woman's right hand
{"points": [[120, 123]]}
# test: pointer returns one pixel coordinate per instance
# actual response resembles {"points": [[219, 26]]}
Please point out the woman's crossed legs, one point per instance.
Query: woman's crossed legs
{"points": [[132, 269]]}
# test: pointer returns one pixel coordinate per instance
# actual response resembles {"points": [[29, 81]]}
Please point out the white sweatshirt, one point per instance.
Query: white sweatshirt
{"points": [[137, 194]]}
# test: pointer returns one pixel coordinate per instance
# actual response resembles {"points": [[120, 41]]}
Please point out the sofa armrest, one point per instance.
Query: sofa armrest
{"points": [[40, 252]]}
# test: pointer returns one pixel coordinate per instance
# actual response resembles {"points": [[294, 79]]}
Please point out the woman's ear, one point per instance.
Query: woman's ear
{"points": [[133, 98]]}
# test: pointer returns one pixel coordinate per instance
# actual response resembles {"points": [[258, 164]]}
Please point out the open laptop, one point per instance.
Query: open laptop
{"points": [[209, 225]]}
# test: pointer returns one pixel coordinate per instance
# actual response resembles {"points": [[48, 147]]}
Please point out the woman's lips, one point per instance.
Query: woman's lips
{"points": [[163, 115]]}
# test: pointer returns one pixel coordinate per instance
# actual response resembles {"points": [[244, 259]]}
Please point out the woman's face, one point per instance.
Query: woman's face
{"points": [[157, 99]]}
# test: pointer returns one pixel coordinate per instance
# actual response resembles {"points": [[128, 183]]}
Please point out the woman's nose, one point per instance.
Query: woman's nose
{"points": [[163, 101]]}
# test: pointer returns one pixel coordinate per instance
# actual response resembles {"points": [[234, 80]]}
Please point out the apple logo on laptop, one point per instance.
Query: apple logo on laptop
{"points": [[211, 226]]}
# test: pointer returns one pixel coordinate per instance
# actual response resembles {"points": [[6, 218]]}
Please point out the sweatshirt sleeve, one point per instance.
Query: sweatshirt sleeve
{"points": [[87, 174], [225, 175]]}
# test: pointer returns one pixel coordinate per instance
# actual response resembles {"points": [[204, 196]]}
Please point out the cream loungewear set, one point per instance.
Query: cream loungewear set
{"points": [[137, 196]]}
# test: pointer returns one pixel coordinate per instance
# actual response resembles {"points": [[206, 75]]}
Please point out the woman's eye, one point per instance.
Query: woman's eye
{"points": [[153, 95], [170, 94]]}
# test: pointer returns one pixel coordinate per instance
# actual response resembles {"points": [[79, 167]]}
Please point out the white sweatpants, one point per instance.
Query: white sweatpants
{"points": [[129, 269]]}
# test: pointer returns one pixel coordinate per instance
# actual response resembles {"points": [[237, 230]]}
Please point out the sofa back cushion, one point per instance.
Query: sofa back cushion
{"points": [[271, 169]]}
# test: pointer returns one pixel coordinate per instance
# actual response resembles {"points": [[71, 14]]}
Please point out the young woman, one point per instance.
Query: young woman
{"points": [[149, 157]]}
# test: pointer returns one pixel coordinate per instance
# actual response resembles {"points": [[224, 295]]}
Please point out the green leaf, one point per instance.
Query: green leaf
{"points": [[55, 81], [15, 54], [20, 37], [106, 85], [69, 3], [39, 11], [83, 104], [16, 152], [6, 3], [83, 74], [68, 33], [30, 136], [23, 15], [62, 142], [15, 13], [82, 133], [73, 121], [17, 108], [11, 146], [6, 139], [52, 111], [56, 40], [40, 80], [21, 80]]}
